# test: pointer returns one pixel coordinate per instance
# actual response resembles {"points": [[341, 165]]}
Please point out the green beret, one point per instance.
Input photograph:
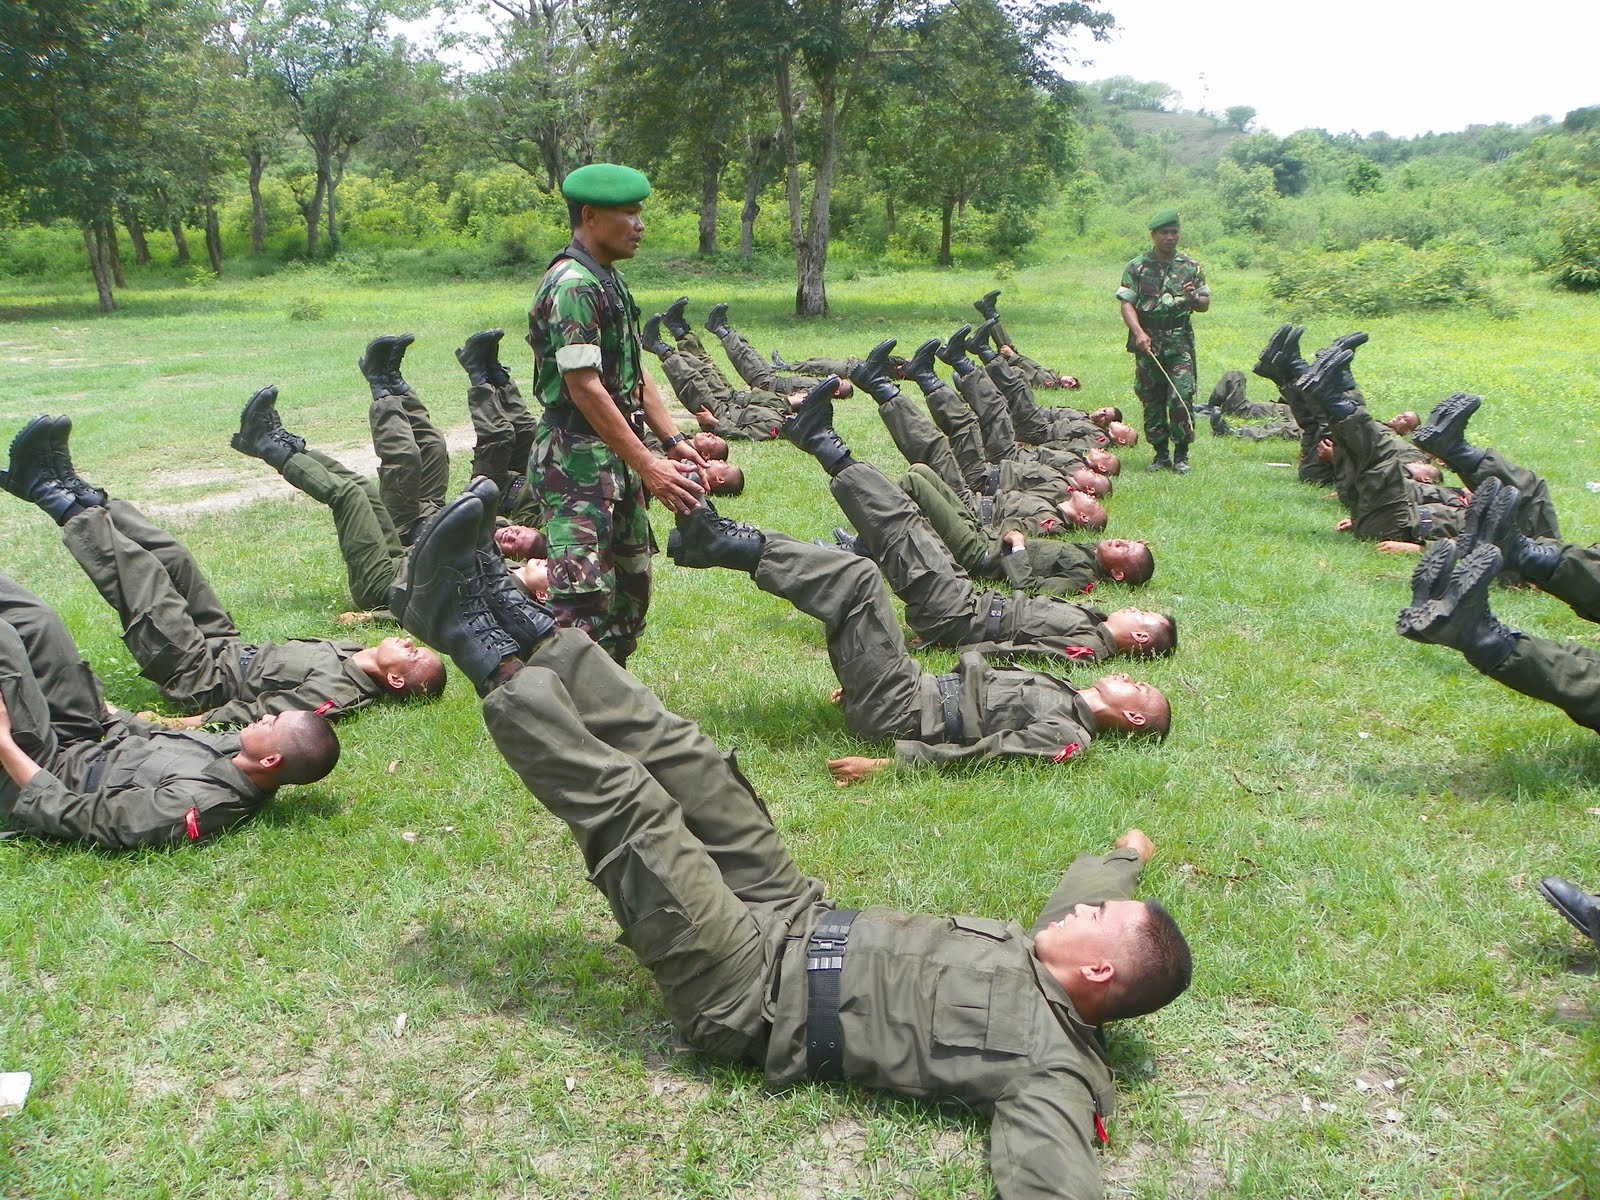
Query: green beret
{"points": [[605, 185], [1167, 216]]}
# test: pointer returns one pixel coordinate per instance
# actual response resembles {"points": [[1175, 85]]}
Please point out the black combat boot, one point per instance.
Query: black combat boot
{"points": [[397, 352], [1444, 434], [717, 321], [61, 451], [871, 374], [1180, 457], [480, 358], [985, 306], [1580, 908], [261, 433], [374, 364], [442, 596], [33, 476], [703, 539], [1219, 424], [779, 365], [919, 367], [852, 542], [673, 318], [954, 351], [1450, 605], [1163, 460], [1280, 360], [810, 427], [979, 341], [1492, 517], [524, 618], [1330, 384], [650, 337]]}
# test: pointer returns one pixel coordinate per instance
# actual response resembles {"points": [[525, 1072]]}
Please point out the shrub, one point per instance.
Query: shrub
{"points": [[304, 308], [1578, 266], [1385, 277]]}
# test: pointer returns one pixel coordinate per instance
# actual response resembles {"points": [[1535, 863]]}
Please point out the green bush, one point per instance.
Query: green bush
{"points": [[42, 250], [1578, 267], [1386, 277]]}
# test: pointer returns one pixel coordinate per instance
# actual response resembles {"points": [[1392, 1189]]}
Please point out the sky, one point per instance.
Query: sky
{"points": [[1405, 67]]}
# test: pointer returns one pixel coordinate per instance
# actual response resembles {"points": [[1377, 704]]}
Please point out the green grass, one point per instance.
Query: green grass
{"points": [[1349, 825]]}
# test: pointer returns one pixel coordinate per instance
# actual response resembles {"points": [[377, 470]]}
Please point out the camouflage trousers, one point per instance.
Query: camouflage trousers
{"points": [[592, 508], [1168, 416]]}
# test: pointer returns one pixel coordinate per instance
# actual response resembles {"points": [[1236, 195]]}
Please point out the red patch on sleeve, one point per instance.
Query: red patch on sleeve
{"points": [[323, 709], [1100, 1131], [1077, 652], [1066, 752], [1048, 524], [1088, 587], [191, 824]]}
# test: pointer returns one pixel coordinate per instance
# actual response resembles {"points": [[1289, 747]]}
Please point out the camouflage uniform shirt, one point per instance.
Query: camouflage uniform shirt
{"points": [[1154, 287], [590, 504]]}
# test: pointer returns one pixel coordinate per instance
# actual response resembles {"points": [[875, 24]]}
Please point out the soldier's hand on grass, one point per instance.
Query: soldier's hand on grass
{"points": [[847, 771], [1343, 526], [1393, 547], [1136, 840], [1014, 539]]}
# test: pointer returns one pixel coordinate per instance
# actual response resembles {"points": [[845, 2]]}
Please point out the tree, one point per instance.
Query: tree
{"points": [[1239, 116], [1124, 91], [535, 108], [337, 69], [1362, 175], [1248, 196], [80, 80], [686, 127]]}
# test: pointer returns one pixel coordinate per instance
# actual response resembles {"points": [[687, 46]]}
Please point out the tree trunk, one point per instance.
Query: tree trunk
{"points": [[98, 267], [312, 213], [213, 238], [141, 248], [106, 229], [335, 177], [946, 219], [811, 255], [710, 187], [258, 211], [180, 240], [756, 161], [888, 212], [791, 162]]}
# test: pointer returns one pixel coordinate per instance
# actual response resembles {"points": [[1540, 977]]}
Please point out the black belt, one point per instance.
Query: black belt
{"points": [[247, 655], [950, 702], [573, 421], [824, 963], [1424, 523], [997, 611], [986, 509], [991, 479]]}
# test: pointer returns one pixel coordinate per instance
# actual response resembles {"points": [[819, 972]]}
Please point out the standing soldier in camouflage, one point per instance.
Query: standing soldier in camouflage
{"points": [[590, 466], [1160, 289]]}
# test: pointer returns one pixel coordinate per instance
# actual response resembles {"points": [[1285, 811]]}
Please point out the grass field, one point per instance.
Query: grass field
{"points": [[1349, 826]]}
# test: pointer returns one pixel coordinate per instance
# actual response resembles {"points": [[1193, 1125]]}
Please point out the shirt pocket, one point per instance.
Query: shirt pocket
{"points": [[983, 1008]]}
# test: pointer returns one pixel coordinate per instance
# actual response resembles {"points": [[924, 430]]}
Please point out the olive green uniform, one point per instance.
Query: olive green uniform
{"points": [[368, 540], [756, 371], [505, 430], [115, 782], [942, 606], [1036, 425], [413, 459], [954, 418], [185, 642], [1387, 504], [740, 416], [709, 900]]}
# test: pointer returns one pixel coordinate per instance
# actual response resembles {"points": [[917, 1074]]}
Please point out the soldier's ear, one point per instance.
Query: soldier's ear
{"points": [[269, 761], [395, 683], [1117, 574], [1101, 972]]}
